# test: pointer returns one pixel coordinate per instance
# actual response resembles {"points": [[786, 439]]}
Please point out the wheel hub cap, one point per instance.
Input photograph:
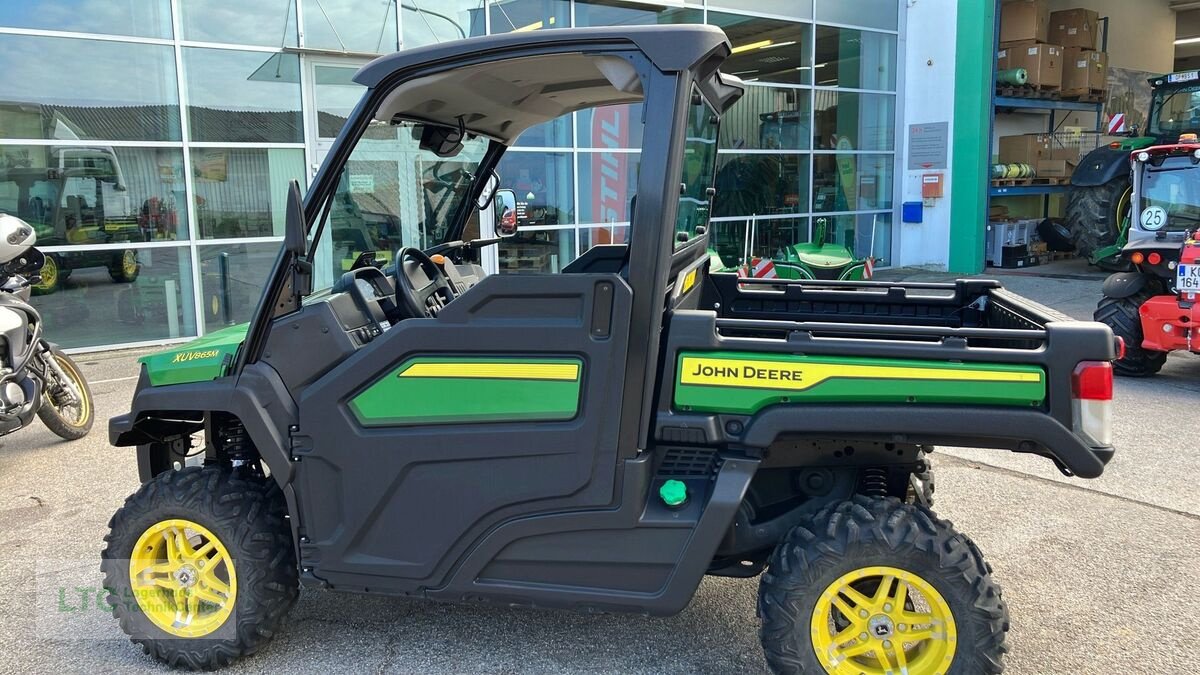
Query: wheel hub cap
{"points": [[183, 578], [881, 626]]}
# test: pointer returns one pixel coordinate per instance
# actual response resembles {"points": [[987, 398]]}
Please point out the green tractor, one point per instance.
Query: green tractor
{"points": [[816, 259], [1098, 204]]}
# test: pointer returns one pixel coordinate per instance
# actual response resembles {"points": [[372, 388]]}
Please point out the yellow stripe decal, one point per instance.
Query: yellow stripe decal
{"points": [[494, 371], [794, 376], [688, 282]]}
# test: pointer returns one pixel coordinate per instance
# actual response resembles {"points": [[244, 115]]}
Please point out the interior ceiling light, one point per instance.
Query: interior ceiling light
{"points": [[753, 45], [1187, 41], [778, 44]]}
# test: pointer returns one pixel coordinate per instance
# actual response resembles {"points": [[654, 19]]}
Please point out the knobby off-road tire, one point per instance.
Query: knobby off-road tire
{"points": [[67, 422], [1094, 214], [1121, 315], [247, 514], [871, 533]]}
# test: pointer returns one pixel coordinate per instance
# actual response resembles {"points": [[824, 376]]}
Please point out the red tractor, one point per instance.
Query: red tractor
{"points": [[1154, 307]]}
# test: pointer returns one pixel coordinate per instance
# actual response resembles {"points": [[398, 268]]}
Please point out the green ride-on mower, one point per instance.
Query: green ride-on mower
{"points": [[1098, 204], [596, 439], [1154, 307], [816, 259]]}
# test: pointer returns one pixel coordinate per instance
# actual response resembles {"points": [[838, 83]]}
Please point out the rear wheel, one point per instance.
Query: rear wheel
{"points": [[872, 585], [200, 567], [1121, 315], [67, 407], [124, 267], [1095, 214]]}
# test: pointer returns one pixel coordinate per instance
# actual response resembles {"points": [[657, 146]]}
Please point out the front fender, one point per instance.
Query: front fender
{"points": [[1100, 167], [1123, 285], [258, 398]]}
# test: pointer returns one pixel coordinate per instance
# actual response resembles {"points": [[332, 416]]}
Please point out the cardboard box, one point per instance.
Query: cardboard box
{"points": [[1002, 60], [1075, 28], [1084, 71], [1025, 149], [1055, 168], [1042, 61], [1025, 20]]}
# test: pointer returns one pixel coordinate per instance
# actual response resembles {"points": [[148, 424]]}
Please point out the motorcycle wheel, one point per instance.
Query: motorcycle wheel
{"points": [[69, 421]]}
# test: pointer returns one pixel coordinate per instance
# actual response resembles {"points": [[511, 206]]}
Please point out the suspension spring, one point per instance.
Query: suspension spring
{"points": [[873, 482], [236, 442]]}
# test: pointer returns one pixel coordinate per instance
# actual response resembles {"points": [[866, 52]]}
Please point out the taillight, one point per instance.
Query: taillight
{"points": [[1091, 394], [1154, 258], [1137, 258]]}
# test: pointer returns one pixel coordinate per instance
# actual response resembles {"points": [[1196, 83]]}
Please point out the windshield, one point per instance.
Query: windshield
{"points": [[1175, 111], [1173, 189], [393, 194]]}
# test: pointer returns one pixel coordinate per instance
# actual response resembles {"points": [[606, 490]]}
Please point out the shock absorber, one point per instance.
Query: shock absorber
{"points": [[873, 482], [236, 444]]}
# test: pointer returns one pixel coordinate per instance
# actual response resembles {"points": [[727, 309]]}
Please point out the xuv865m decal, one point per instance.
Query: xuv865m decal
{"points": [[441, 390], [734, 382]]}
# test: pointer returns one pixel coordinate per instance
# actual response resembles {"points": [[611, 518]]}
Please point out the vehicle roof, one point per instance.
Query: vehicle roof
{"points": [[1167, 149], [670, 48]]}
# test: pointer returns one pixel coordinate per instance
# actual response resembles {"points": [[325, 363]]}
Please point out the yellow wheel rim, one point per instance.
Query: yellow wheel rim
{"points": [[881, 620], [1122, 209], [83, 406], [49, 274], [129, 264], [183, 578]]}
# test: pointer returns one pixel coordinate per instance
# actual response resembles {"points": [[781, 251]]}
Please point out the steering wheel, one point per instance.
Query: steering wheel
{"points": [[422, 289]]}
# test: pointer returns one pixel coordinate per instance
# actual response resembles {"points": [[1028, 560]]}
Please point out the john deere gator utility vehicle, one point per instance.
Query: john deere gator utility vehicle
{"points": [[596, 439], [1153, 308], [1098, 203]]}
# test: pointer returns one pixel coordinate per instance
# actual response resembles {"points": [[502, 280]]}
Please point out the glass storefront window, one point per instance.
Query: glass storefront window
{"points": [[760, 237], [598, 236], [241, 192], [855, 59], [852, 182], [145, 18], [618, 13], [544, 184], [232, 277], [607, 183], [553, 134], [521, 15], [766, 50], [113, 296], [768, 118], [89, 195], [610, 126], [350, 25], [852, 121], [699, 160], [796, 9], [268, 23], [761, 184], [870, 13], [335, 93], [101, 90], [537, 251], [865, 234], [426, 22], [243, 97]]}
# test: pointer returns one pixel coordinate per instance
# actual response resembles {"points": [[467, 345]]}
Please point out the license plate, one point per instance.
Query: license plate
{"points": [[1188, 279]]}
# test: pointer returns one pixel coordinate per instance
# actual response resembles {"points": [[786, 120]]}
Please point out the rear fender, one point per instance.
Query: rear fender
{"points": [[1100, 167], [1124, 285], [258, 398]]}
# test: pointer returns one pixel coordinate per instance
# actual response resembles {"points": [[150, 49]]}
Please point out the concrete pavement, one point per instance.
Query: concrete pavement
{"points": [[1097, 574]]}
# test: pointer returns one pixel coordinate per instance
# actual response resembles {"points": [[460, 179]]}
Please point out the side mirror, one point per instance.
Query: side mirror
{"points": [[295, 239], [489, 191], [506, 213]]}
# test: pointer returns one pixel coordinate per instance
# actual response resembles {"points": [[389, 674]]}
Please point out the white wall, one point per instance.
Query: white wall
{"points": [[928, 52]]}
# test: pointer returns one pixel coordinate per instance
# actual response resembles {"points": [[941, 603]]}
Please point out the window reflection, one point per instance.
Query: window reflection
{"points": [[106, 296], [350, 25], [758, 237], [553, 134], [870, 13], [864, 234], [243, 97], [521, 15], [537, 251], [699, 158], [611, 126], [607, 183], [232, 277], [68, 89], [855, 59], [269, 23], [544, 185], [766, 50], [768, 119], [336, 93], [617, 13], [852, 121], [144, 18], [852, 182], [761, 184], [241, 192], [428, 22], [796, 9]]}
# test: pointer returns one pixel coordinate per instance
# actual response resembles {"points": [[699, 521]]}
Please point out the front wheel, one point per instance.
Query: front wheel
{"points": [[67, 407], [1121, 315], [873, 585]]}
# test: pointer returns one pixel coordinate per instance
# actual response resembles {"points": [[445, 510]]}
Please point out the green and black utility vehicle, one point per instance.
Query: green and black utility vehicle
{"points": [[597, 439]]}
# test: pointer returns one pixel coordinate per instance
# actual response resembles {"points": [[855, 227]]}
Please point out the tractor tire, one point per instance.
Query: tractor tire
{"points": [[868, 555], [215, 568], [1121, 315], [1094, 214]]}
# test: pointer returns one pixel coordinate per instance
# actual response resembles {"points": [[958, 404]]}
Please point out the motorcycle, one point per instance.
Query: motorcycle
{"points": [[36, 377]]}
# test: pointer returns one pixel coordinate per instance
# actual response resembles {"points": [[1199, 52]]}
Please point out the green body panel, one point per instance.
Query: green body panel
{"points": [[1109, 257], [202, 359], [970, 150], [396, 399], [1136, 143], [831, 379], [800, 260]]}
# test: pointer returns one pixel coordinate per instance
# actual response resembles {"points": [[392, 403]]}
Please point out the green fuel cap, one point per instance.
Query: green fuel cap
{"points": [[673, 493]]}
